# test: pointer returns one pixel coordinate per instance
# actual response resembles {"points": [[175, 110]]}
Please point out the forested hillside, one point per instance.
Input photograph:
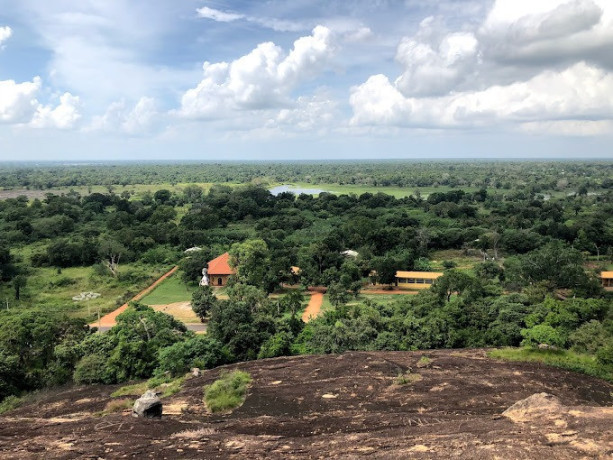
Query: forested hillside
{"points": [[521, 247]]}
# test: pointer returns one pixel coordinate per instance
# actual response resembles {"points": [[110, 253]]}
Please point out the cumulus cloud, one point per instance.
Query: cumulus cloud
{"points": [[19, 105], [311, 113], [576, 93], [5, 33], [432, 70], [64, 116], [549, 31], [133, 120], [18, 101], [532, 66], [262, 79]]}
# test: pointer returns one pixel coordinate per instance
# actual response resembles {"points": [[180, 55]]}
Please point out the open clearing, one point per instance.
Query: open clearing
{"points": [[335, 406], [179, 310]]}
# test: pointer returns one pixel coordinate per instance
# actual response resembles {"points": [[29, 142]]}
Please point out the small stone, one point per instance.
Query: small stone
{"points": [[196, 372]]}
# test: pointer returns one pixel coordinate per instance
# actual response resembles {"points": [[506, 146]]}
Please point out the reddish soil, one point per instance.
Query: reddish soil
{"points": [[109, 320], [335, 406], [313, 309]]}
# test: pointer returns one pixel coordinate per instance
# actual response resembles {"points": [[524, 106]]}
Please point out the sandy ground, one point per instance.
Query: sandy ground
{"points": [[180, 310]]}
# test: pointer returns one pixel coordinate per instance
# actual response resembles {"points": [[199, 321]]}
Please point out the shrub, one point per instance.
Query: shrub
{"points": [[117, 405], [605, 355], [201, 351], [10, 403], [92, 369], [542, 333], [228, 392], [590, 337], [407, 378]]}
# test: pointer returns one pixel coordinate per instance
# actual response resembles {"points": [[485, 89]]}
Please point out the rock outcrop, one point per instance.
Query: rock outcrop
{"points": [[148, 406]]}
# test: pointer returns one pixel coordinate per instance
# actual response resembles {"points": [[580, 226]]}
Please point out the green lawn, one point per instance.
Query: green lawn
{"points": [[382, 299], [170, 291]]}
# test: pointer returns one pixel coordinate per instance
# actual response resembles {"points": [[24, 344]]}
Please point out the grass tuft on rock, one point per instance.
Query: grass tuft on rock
{"points": [[228, 392]]}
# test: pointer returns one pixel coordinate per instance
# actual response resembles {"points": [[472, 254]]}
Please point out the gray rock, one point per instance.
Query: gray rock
{"points": [[148, 406]]}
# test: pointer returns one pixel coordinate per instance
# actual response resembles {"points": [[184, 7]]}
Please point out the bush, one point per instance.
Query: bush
{"points": [[93, 369], [201, 351], [590, 337], [605, 355], [10, 403], [228, 392], [277, 345], [543, 333]]}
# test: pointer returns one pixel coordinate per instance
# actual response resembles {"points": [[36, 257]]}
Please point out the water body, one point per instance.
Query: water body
{"points": [[295, 190]]}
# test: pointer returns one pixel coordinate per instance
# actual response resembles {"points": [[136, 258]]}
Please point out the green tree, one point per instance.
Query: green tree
{"points": [[250, 260], [203, 301], [338, 294]]}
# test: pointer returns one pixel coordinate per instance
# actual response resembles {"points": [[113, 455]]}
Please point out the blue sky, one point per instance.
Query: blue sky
{"points": [[305, 79]]}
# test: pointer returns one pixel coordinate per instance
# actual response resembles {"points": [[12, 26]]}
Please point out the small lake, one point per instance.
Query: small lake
{"points": [[295, 190]]}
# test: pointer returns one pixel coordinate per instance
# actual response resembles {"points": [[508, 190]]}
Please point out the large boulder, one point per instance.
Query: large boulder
{"points": [[148, 406]]}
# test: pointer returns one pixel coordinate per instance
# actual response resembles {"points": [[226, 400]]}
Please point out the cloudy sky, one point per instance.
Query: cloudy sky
{"points": [[305, 79]]}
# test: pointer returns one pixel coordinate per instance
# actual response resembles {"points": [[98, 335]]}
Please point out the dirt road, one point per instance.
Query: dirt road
{"points": [[313, 309], [109, 320]]}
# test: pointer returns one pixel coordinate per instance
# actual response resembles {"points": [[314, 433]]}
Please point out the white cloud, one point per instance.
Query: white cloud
{"points": [[278, 25], [262, 79], [63, 116], [18, 101], [5, 33], [580, 92], [549, 31], [217, 15], [532, 66], [119, 117], [437, 70], [311, 113]]}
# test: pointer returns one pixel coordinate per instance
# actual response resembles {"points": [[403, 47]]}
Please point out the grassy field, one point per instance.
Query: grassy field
{"points": [[55, 288], [463, 262], [170, 291], [398, 192]]}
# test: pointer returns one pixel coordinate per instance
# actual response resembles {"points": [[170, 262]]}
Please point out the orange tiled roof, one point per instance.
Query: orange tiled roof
{"points": [[220, 266], [607, 275]]}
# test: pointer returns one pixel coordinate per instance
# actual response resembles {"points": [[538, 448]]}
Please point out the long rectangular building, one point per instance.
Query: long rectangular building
{"points": [[416, 280]]}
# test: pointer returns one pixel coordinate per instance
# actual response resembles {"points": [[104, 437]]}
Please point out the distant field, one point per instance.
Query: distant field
{"points": [[398, 192]]}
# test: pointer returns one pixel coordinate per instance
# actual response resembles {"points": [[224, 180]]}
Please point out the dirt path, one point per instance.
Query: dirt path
{"points": [[109, 320], [314, 307]]}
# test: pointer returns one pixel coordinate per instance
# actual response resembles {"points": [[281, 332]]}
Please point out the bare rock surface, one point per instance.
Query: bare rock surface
{"points": [[454, 411]]}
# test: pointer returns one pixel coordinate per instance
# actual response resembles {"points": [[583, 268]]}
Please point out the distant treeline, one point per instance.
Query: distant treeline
{"points": [[532, 176]]}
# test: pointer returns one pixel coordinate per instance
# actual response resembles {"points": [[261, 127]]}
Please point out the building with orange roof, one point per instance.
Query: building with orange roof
{"points": [[219, 270], [607, 280]]}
